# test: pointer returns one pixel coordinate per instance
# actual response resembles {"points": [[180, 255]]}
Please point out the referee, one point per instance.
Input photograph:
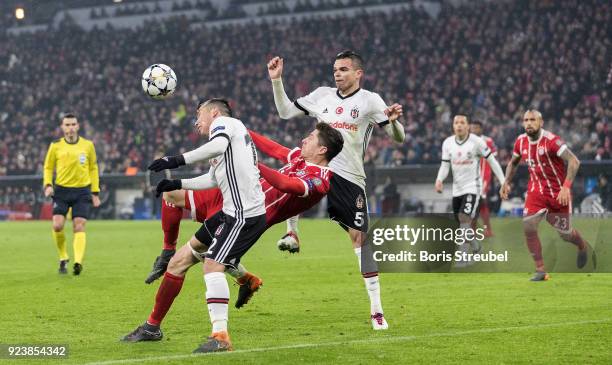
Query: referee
{"points": [[77, 185]]}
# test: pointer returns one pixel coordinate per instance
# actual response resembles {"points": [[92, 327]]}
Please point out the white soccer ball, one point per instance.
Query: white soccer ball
{"points": [[159, 81]]}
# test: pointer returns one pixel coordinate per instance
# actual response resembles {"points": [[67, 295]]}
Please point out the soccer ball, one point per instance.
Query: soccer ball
{"points": [[159, 81]]}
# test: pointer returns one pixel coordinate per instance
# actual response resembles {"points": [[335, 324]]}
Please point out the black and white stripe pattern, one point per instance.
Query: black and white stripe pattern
{"points": [[366, 140], [230, 173]]}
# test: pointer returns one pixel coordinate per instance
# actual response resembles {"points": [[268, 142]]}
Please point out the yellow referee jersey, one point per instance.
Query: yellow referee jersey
{"points": [[76, 164]]}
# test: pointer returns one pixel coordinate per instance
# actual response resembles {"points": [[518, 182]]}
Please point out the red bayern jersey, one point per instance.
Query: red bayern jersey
{"points": [[281, 206], [485, 169], [546, 167]]}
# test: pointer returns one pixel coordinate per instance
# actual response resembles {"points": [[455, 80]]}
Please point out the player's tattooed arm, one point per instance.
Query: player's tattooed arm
{"points": [[510, 172], [564, 197], [572, 164], [395, 129]]}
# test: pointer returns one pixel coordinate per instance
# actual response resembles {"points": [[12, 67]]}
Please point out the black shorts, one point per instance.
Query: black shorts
{"points": [[347, 204], [228, 238], [468, 204], [79, 199]]}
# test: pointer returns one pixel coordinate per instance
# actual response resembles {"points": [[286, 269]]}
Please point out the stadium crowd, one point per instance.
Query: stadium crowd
{"points": [[550, 55]]}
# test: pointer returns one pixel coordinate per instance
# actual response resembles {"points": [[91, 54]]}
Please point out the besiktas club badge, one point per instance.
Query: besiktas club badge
{"points": [[355, 113], [359, 202]]}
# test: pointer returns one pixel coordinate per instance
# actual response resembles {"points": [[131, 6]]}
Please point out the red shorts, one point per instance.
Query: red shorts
{"points": [[556, 214], [203, 204]]}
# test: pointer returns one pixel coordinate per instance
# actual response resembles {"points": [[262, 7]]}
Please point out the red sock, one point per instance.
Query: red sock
{"points": [[576, 239], [485, 215], [171, 220], [168, 290], [535, 247]]}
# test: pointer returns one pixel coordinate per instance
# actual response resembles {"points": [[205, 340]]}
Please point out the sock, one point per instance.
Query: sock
{"points": [[535, 247], [217, 297], [371, 283], [238, 272], [169, 288], [577, 240], [292, 224], [60, 243], [171, 220], [78, 245], [475, 245], [485, 215]]}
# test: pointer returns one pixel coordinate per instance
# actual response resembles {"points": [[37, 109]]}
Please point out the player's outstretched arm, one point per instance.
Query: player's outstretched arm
{"points": [[215, 147], [286, 109], [270, 147], [284, 183], [202, 182], [510, 171], [442, 174], [573, 163], [496, 168], [395, 129]]}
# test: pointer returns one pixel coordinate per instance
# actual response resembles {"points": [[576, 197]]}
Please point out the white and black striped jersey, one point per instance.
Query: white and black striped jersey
{"points": [[236, 172], [464, 158], [354, 116]]}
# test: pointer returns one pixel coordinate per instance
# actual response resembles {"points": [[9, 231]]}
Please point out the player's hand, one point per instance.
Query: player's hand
{"points": [[564, 196], [95, 200], [439, 187], [394, 112], [167, 185], [167, 162], [504, 191], [275, 68], [48, 191]]}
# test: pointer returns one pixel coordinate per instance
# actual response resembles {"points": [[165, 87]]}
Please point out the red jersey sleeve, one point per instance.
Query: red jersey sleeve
{"points": [[270, 147], [517, 148], [284, 183], [556, 145], [317, 180], [491, 145]]}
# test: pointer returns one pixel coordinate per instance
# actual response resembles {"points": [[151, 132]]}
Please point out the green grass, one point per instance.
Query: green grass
{"points": [[315, 300]]}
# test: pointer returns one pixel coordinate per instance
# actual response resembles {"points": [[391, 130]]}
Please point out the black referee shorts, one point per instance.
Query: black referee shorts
{"points": [[229, 238], [79, 199]]}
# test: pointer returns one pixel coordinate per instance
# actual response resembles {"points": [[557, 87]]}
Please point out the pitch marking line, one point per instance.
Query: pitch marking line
{"points": [[351, 342]]}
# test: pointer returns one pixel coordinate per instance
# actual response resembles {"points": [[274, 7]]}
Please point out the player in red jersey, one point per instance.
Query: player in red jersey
{"points": [[485, 175], [548, 191], [295, 188]]}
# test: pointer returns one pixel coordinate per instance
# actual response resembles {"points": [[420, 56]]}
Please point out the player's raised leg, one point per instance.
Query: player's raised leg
{"points": [[290, 241], [562, 223], [171, 215]]}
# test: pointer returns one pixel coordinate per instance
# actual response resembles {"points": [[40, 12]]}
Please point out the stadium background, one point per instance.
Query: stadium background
{"points": [[488, 59]]}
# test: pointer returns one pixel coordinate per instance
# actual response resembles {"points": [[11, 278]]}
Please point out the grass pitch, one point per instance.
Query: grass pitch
{"points": [[312, 309]]}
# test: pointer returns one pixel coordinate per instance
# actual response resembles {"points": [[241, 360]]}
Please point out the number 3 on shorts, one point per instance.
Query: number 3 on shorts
{"points": [[359, 219]]}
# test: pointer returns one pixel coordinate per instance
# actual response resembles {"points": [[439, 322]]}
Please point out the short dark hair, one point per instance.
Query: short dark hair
{"points": [[67, 115], [221, 104], [354, 56], [330, 138], [477, 122]]}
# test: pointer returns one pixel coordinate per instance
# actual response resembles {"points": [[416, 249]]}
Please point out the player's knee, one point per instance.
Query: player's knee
{"points": [[176, 198], [58, 226], [566, 236], [213, 266], [180, 263], [79, 224]]}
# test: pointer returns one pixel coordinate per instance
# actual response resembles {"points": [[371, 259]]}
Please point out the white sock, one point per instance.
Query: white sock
{"points": [[465, 226], [217, 297], [292, 224], [236, 273], [372, 286], [358, 253]]}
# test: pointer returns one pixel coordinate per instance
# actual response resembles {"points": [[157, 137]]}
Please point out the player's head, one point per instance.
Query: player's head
{"points": [[209, 110], [348, 70], [322, 144], [532, 122], [69, 125], [476, 127], [461, 126]]}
